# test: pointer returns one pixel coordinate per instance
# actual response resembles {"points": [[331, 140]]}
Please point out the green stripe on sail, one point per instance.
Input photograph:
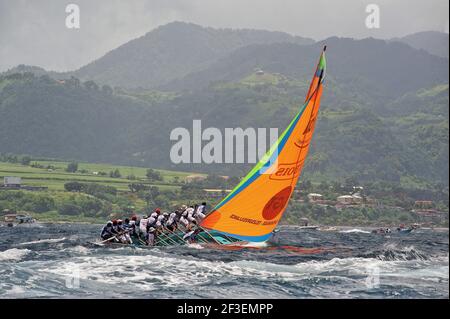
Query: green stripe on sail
{"points": [[322, 62], [265, 159]]}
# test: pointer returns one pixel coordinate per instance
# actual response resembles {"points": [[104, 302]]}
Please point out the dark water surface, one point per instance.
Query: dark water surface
{"points": [[45, 260]]}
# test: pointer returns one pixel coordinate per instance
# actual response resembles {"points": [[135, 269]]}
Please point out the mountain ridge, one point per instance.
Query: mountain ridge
{"points": [[382, 117], [154, 58], [434, 42]]}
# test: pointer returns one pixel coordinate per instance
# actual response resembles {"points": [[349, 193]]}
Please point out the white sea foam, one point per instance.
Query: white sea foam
{"points": [[256, 244], [148, 273], [430, 269], [157, 271], [195, 246], [15, 291], [41, 241], [151, 272], [79, 250], [13, 254], [355, 230]]}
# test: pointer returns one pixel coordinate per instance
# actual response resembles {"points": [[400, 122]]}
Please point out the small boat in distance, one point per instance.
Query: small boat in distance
{"points": [[406, 230], [382, 231], [12, 220], [306, 226]]}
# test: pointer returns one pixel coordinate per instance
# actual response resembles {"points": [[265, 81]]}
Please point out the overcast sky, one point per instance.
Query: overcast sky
{"points": [[34, 32]]}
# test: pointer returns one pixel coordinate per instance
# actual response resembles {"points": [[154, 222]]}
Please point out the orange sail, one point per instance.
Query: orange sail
{"points": [[255, 206]]}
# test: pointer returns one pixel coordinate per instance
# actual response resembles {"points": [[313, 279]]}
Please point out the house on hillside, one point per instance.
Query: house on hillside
{"points": [[431, 216], [345, 199], [314, 197], [423, 204], [12, 182], [216, 193], [355, 199], [194, 178], [258, 71]]}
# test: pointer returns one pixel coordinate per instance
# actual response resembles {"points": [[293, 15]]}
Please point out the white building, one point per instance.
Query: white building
{"points": [[11, 181], [345, 199], [357, 199], [194, 178], [314, 197], [350, 199]]}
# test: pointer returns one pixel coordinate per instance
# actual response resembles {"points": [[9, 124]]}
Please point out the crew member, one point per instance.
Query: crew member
{"points": [[108, 231]]}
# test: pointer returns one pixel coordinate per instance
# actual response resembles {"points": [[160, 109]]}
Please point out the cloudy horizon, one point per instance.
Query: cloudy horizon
{"points": [[34, 33]]}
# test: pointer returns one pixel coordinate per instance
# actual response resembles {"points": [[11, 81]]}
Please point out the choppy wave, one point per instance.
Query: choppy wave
{"points": [[299, 265], [195, 246], [42, 241], [13, 254], [355, 230], [256, 245], [394, 252]]}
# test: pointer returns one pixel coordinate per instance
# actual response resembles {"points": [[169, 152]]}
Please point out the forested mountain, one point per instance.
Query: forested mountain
{"points": [[384, 113], [374, 66], [172, 51], [431, 41]]}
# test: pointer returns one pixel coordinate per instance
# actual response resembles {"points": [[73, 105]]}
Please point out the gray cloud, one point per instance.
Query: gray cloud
{"points": [[34, 33]]}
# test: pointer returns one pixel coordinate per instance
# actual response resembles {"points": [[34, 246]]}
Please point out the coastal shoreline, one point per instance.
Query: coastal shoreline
{"points": [[286, 226]]}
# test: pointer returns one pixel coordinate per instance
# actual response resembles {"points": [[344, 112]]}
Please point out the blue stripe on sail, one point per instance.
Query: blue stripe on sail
{"points": [[271, 160], [249, 238]]}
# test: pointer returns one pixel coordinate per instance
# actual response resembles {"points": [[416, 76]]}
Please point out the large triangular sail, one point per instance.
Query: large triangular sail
{"points": [[255, 206]]}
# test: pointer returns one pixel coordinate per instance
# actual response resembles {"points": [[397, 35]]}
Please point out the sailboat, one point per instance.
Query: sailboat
{"points": [[253, 209], [255, 206]]}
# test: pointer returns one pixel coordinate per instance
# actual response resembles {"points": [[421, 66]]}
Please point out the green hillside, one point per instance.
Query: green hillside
{"points": [[39, 175], [172, 51], [384, 113], [352, 139]]}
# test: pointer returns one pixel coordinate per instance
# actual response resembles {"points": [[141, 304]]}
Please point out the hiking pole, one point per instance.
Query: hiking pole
{"points": [[159, 238], [175, 234], [167, 237], [115, 236], [217, 242], [200, 237], [106, 240], [203, 240], [182, 233]]}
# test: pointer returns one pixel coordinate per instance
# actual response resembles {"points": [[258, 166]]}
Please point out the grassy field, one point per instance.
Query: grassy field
{"points": [[53, 175], [53, 216], [54, 179]]}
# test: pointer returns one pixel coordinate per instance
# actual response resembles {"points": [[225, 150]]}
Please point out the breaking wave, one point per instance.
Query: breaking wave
{"points": [[43, 241], [354, 230], [13, 254], [392, 252], [300, 265]]}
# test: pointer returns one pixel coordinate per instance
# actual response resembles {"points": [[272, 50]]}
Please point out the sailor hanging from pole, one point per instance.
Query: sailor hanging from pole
{"points": [[183, 217], [200, 212], [171, 223]]}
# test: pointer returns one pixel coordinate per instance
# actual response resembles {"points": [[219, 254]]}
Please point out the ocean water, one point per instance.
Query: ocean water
{"points": [[60, 261]]}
